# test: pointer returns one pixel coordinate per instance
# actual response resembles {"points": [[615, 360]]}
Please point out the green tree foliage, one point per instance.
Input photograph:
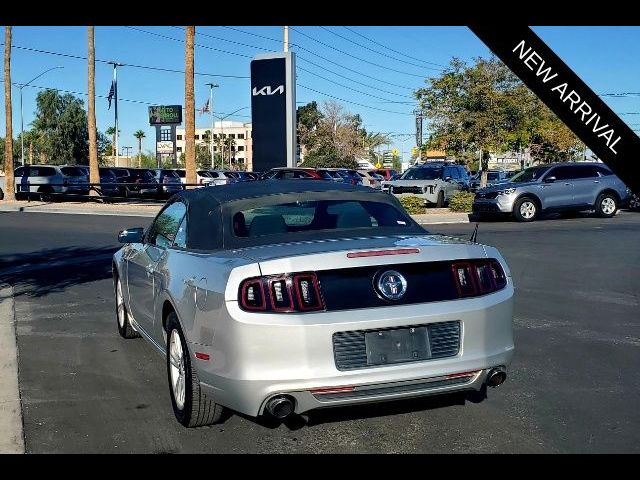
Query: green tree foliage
{"points": [[486, 107], [61, 128], [332, 136]]}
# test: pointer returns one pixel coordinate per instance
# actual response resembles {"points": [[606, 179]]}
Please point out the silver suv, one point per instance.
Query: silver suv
{"points": [[554, 188], [47, 179], [433, 182]]}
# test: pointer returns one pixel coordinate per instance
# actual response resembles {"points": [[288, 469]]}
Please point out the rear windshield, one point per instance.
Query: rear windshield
{"points": [[72, 172], [181, 173], [42, 171], [170, 173], [306, 216], [204, 173]]}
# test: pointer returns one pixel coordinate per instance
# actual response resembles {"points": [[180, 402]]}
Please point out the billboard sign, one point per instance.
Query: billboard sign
{"points": [[273, 111], [165, 114], [164, 147]]}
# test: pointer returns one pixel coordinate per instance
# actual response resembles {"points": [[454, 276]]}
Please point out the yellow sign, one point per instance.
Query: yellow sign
{"points": [[414, 151], [378, 165], [395, 152]]}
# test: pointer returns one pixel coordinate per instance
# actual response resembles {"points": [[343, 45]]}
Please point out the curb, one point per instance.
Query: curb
{"points": [[16, 209], [12, 433]]}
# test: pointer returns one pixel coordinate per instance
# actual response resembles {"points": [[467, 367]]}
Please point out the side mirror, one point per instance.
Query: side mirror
{"points": [[550, 179], [131, 235], [447, 179]]}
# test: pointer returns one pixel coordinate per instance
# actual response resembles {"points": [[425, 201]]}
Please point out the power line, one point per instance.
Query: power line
{"points": [[182, 41], [350, 88], [132, 65], [299, 56], [377, 51], [225, 40], [391, 49], [623, 94], [351, 102], [15, 84], [359, 58], [253, 34]]}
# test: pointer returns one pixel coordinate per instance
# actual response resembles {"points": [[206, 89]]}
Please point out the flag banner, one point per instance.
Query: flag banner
{"points": [[593, 122], [112, 92], [205, 108]]}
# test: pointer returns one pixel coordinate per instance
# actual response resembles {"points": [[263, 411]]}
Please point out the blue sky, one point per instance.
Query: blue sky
{"points": [[606, 58]]}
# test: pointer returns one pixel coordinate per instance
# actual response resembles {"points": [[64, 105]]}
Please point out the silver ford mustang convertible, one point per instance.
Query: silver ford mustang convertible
{"points": [[281, 297]]}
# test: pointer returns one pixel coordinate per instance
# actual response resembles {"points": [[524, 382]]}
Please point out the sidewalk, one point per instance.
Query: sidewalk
{"points": [[434, 216]]}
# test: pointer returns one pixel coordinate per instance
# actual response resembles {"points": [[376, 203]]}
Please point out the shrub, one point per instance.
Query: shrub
{"points": [[412, 204], [461, 201]]}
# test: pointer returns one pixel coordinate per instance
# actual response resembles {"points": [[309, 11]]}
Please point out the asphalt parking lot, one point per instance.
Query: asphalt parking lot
{"points": [[574, 385]]}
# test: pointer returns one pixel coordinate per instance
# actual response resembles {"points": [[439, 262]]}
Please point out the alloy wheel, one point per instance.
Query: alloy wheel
{"points": [[177, 369], [608, 205], [527, 210]]}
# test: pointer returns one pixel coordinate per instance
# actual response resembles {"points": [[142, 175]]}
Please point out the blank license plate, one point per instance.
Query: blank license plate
{"points": [[397, 346]]}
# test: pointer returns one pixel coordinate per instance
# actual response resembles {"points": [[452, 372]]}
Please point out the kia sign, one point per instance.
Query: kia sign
{"points": [[165, 114], [273, 111]]}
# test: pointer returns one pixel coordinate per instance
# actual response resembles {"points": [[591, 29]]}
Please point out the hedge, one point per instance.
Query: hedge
{"points": [[412, 204], [461, 201]]}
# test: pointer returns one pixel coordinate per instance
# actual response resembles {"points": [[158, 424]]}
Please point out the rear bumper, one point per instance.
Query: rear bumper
{"points": [[258, 356]]}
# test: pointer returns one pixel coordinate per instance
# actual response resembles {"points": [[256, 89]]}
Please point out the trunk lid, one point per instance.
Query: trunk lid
{"points": [[334, 254]]}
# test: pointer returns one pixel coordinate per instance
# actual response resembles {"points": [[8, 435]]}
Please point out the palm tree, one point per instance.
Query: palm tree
{"points": [[94, 173], [190, 109], [112, 131], [139, 134], [8, 139], [371, 141]]}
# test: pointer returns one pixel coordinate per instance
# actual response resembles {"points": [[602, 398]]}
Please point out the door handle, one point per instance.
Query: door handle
{"points": [[568, 184], [596, 181]]}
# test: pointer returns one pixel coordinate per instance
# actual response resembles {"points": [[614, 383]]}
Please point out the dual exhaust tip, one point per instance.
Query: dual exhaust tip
{"points": [[280, 406], [496, 377]]}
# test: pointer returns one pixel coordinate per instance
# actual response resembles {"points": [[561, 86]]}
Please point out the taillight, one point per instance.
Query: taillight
{"points": [[298, 292], [478, 277], [465, 279]]}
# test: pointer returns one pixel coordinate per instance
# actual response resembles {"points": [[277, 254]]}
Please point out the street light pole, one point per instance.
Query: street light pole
{"points": [[21, 111], [211, 87]]}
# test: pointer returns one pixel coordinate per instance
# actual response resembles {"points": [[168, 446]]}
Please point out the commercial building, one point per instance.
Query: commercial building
{"points": [[234, 136]]}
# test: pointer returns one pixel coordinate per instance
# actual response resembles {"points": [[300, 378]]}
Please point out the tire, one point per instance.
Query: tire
{"points": [[606, 205], [44, 194], [526, 209], [122, 315], [191, 406], [1, 194], [440, 201]]}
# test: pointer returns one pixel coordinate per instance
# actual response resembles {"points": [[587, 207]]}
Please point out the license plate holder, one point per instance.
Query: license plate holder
{"points": [[385, 347]]}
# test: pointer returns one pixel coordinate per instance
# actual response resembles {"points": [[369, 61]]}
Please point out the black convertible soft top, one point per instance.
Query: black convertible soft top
{"points": [[210, 210], [244, 190]]}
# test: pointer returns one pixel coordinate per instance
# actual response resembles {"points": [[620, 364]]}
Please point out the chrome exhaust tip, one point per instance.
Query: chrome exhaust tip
{"points": [[280, 407], [496, 377]]}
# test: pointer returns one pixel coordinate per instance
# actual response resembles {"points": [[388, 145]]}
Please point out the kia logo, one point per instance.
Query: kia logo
{"points": [[268, 90]]}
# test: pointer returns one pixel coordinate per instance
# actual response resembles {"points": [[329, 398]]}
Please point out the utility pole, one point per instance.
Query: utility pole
{"points": [[115, 110], [286, 38], [419, 115], [211, 87]]}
